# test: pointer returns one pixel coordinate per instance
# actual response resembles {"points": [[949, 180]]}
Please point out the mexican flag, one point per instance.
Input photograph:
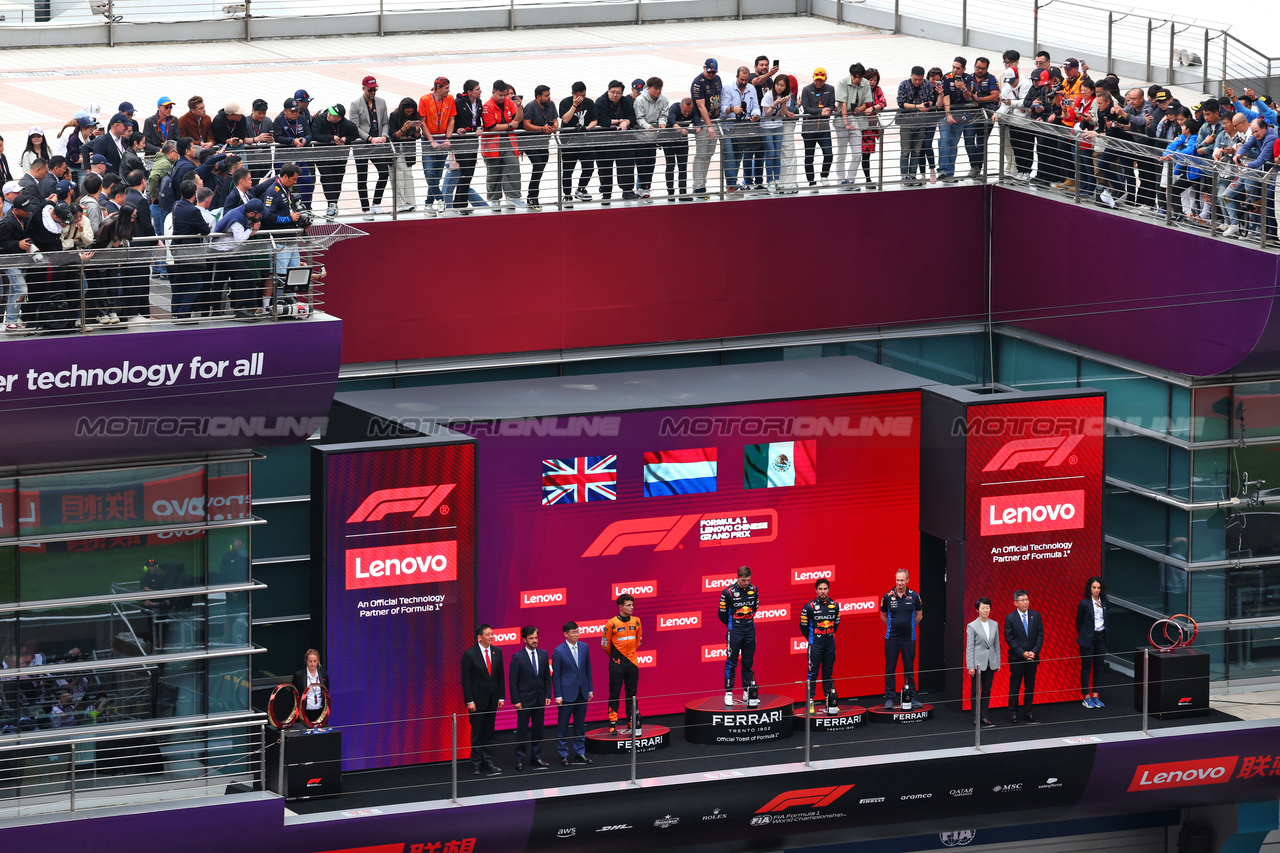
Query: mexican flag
{"points": [[780, 463]]}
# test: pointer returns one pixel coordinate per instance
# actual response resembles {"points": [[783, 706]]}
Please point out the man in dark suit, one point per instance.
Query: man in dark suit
{"points": [[1024, 638], [111, 145], [187, 276], [571, 678], [484, 691], [530, 694]]}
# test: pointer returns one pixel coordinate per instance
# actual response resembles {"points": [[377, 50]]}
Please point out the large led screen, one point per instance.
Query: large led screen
{"points": [[399, 546], [667, 504], [1033, 521]]}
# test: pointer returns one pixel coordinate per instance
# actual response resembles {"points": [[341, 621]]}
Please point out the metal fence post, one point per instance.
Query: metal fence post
{"points": [[635, 710], [84, 299], [395, 179], [381, 18], [1077, 155], [454, 795], [280, 764], [559, 173], [839, 11], [511, 15], [1001, 149], [639, 12], [262, 756], [1111, 16], [1204, 63], [1146, 687], [723, 138], [1168, 193], [739, 10], [964, 22], [1148, 48], [808, 724], [72, 768], [1035, 27], [1225, 39], [976, 696], [880, 157], [1173, 32], [111, 23], [248, 17]]}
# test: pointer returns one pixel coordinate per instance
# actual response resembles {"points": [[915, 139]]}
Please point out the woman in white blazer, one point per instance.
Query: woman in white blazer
{"points": [[982, 655]]}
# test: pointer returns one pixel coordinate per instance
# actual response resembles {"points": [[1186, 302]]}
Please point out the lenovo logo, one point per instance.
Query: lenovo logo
{"points": [[773, 613], [1032, 513], [679, 621], [594, 628], [421, 501], [396, 565], [542, 597], [815, 797], [644, 659], [811, 574], [716, 583], [636, 589], [506, 636], [1183, 774], [799, 646], [1050, 451], [714, 653], [866, 604]]}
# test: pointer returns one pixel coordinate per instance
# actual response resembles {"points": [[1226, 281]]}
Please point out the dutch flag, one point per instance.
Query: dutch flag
{"points": [[679, 472]]}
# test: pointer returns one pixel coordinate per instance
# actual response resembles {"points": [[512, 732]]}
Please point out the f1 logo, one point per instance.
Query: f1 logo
{"points": [[664, 533], [816, 797], [1050, 451], [419, 500]]}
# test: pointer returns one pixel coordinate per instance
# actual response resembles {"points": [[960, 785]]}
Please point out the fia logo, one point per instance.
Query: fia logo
{"points": [[761, 820], [959, 838]]}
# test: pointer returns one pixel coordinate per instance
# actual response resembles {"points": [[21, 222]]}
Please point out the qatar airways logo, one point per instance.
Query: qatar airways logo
{"points": [[542, 597], [635, 589], [1032, 513], [1183, 774], [1052, 452], [398, 565], [811, 574], [419, 501], [679, 621]]}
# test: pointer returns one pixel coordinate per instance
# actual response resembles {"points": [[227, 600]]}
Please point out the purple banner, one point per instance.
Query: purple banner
{"points": [[1237, 766], [166, 391], [1172, 299]]}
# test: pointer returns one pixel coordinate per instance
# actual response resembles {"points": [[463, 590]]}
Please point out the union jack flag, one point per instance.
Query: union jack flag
{"points": [[580, 479]]}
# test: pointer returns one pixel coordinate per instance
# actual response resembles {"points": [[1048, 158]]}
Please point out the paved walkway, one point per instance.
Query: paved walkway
{"points": [[37, 87]]}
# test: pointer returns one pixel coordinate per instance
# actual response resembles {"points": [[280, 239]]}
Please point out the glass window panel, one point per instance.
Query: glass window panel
{"points": [[1135, 399], [1126, 630], [1208, 535], [228, 619], [283, 472], [1252, 532], [290, 530], [1149, 583], [1211, 470], [288, 591], [110, 564], [103, 500], [8, 574], [1180, 409], [230, 491], [1251, 652], [1217, 644], [865, 350], [180, 689], [285, 645], [1253, 463], [8, 643], [96, 631], [1209, 595], [1179, 472], [1033, 368], [228, 684], [954, 359], [141, 692], [1212, 410], [1137, 459], [1255, 592], [753, 356], [1257, 409], [229, 550], [1143, 521]]}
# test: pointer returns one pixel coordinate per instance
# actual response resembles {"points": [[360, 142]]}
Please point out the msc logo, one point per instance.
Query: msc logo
{"points": [[1183, 774], [816, 797], [636, 589], [1051, 451], [419, 500], [663, 533]]}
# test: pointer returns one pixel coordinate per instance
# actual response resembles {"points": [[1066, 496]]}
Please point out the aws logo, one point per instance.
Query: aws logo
{"points": [[419, 501]]}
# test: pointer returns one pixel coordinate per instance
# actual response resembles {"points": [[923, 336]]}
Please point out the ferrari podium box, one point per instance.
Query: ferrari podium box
{"points": [[1177, 682]]}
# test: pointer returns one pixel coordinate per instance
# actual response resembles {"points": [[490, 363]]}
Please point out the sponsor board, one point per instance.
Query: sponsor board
{"points": [[811, 574], [717, 583], [1183, 774], [862, 604], [1032, 513], [543, 597], [635, 589], [679, 621], [646, 658], [773, 613], [712, 654], [506, 636], [400, 565]]}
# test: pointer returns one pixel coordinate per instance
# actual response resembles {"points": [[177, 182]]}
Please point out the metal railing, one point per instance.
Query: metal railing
{"points": [[90, 766], [950, 723]]}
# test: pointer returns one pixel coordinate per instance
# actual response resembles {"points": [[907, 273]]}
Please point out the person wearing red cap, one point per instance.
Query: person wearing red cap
{"points": [[439, 112], [369, 114]]}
